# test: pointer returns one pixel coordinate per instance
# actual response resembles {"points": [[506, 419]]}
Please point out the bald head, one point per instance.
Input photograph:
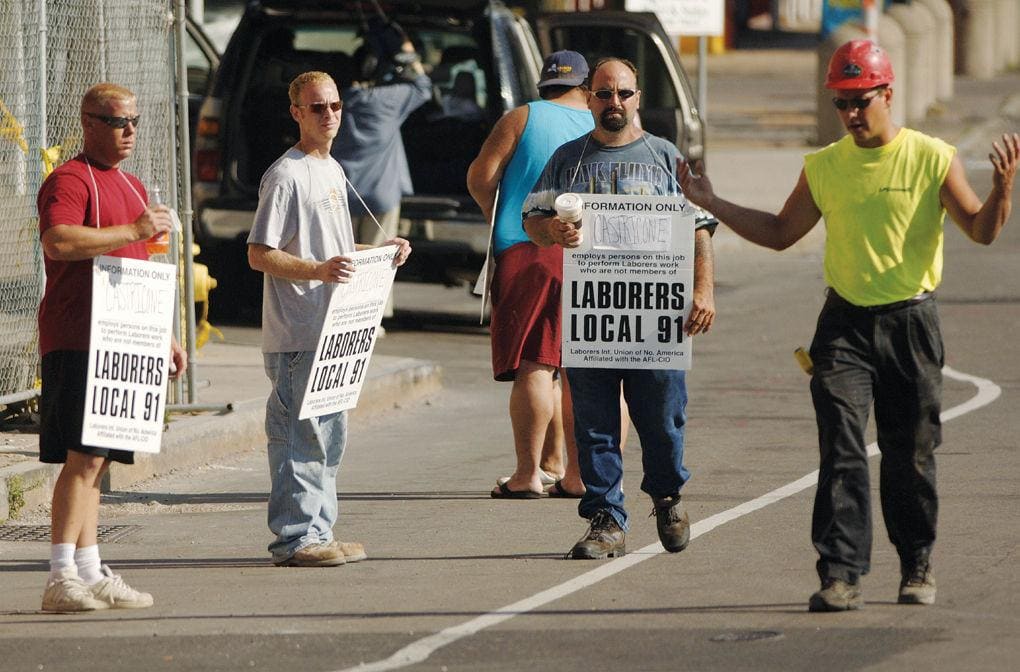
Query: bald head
{"points": [[613, 100]]}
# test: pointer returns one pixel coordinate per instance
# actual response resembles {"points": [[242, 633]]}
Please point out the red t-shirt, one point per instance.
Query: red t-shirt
{"points": [[68, 196]]}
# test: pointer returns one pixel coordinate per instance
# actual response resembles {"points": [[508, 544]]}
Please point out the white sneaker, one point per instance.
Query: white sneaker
{"points": [[114, 593], [68, 593]]}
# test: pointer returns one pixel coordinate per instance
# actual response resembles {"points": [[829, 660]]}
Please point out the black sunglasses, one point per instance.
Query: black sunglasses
{"points": [[858, 103], [607, 94], [116, 122], [320, 108]]}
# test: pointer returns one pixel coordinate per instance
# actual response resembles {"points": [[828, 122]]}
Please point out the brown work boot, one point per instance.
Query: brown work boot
{"points": [[352, 550], [672, 523], [604, 539], [917, 585], [315, 555], [836, 595]]}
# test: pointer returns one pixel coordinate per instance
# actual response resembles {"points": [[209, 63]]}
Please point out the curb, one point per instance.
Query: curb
{"points": [[191, 440]]}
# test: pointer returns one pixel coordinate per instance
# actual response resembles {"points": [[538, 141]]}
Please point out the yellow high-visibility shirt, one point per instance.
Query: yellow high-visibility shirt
{"points": [[883, 216]]}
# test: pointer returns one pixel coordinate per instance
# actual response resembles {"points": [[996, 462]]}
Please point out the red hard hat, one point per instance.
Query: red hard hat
{"points": [[859, 64]]}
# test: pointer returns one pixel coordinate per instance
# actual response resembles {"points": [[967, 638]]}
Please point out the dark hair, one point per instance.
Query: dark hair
{"points": [[366, 64], [611, 59], [554, 91]]}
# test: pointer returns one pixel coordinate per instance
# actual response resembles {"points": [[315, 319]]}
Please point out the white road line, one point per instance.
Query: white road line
{"points": [[421, 649]]}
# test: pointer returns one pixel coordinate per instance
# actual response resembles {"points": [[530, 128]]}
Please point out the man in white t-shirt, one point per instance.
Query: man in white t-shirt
{"points": [[301, 239]]}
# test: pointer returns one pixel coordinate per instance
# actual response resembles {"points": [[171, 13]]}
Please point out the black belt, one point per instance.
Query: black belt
{"points": [[882, 308]]}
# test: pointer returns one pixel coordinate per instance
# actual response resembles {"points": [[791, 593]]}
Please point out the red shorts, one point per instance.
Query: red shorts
{"points": [[525, 322]]}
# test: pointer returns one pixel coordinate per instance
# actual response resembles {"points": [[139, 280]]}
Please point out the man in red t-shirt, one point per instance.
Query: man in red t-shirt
{"points": [[87, 207]]}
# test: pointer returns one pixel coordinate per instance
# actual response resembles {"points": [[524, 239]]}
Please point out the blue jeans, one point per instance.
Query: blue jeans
{"points": [[304, 457], [657, 402]]}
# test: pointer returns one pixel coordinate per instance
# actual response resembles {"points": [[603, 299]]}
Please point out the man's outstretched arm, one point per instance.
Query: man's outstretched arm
{"points": [[798, 216], [702, 315]]}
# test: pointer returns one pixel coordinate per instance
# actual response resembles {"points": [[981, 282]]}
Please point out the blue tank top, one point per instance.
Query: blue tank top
{"points": [[549, 125]]}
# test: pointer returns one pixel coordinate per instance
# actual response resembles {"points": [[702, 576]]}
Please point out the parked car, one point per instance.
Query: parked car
{"points": [[202, 58], [245, 124]]}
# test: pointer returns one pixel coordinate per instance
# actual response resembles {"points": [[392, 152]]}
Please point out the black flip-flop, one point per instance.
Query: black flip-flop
{"points": [[504, 492], [560, 492]]}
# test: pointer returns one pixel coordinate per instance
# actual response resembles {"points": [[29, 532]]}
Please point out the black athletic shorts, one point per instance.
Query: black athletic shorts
{"points": [[62, 409]]}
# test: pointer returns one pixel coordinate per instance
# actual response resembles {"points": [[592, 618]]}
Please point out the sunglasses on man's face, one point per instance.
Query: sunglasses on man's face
{"points": [[607, 94], [320, 108], [858, 103], [116, 122]]}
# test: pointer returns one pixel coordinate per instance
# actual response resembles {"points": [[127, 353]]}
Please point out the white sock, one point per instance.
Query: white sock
{"points": [[61, 559], [88, 562]]}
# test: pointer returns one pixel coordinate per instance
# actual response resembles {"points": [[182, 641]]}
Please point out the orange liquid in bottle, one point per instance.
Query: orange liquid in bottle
{"points": [[159, 244]]}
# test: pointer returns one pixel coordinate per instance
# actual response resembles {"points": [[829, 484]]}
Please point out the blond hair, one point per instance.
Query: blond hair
{"points": [[102, 94], [303, 80]]}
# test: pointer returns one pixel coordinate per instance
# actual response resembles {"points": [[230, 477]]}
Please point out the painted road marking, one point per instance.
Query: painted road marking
{"points": [[420, 650]]}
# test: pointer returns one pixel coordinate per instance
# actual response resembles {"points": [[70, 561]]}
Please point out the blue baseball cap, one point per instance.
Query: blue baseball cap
{"points": [[563, 68]]}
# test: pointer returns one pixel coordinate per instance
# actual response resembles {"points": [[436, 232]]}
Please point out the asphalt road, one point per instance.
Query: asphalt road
{"points": [[458, 581]]}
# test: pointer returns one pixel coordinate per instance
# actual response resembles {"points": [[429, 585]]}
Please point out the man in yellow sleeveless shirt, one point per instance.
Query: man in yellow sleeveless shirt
{"points": [[883, 192]]}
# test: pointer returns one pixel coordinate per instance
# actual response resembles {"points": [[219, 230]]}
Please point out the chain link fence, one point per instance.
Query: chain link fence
{"points": [[53, 51]]}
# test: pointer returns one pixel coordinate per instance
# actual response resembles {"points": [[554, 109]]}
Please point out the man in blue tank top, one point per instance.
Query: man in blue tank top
{"points": [[525, 321]]}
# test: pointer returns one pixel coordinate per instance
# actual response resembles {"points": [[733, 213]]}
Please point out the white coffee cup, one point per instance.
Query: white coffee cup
{"points": [[569, 207]]}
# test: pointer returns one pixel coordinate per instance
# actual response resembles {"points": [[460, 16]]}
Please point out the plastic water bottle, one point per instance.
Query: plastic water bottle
{"points": [[160, 243]]}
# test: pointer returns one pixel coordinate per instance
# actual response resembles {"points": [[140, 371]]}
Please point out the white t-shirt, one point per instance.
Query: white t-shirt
{"points": [[303, 211]]}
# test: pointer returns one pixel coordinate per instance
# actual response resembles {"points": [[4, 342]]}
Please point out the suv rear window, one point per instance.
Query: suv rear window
{"points": [[278, 56], [433, 136]]}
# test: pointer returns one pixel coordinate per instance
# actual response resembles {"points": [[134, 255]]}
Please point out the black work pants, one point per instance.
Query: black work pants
{"points": [[891, 358]]}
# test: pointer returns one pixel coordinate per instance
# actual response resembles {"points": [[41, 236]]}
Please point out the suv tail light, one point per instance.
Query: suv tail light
{"points": [[208, 127], [207, 149], [207, 165]]}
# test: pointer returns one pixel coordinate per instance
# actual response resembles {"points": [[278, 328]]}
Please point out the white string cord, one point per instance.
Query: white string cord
{"points": [[362, 201]]}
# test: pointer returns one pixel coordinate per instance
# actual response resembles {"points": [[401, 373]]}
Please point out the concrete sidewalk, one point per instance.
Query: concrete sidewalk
{"points": [[761, 112], [228, 375]]}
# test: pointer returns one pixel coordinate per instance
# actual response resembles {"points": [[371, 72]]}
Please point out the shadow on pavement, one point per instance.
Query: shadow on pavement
{"points": [[796, 608], [169, 499]]}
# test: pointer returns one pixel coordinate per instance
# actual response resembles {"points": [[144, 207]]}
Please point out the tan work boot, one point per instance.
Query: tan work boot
{"points": [[672, 523], [315, 555], [604, 539], [836, 595], [917, 585], [352, 550]]}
